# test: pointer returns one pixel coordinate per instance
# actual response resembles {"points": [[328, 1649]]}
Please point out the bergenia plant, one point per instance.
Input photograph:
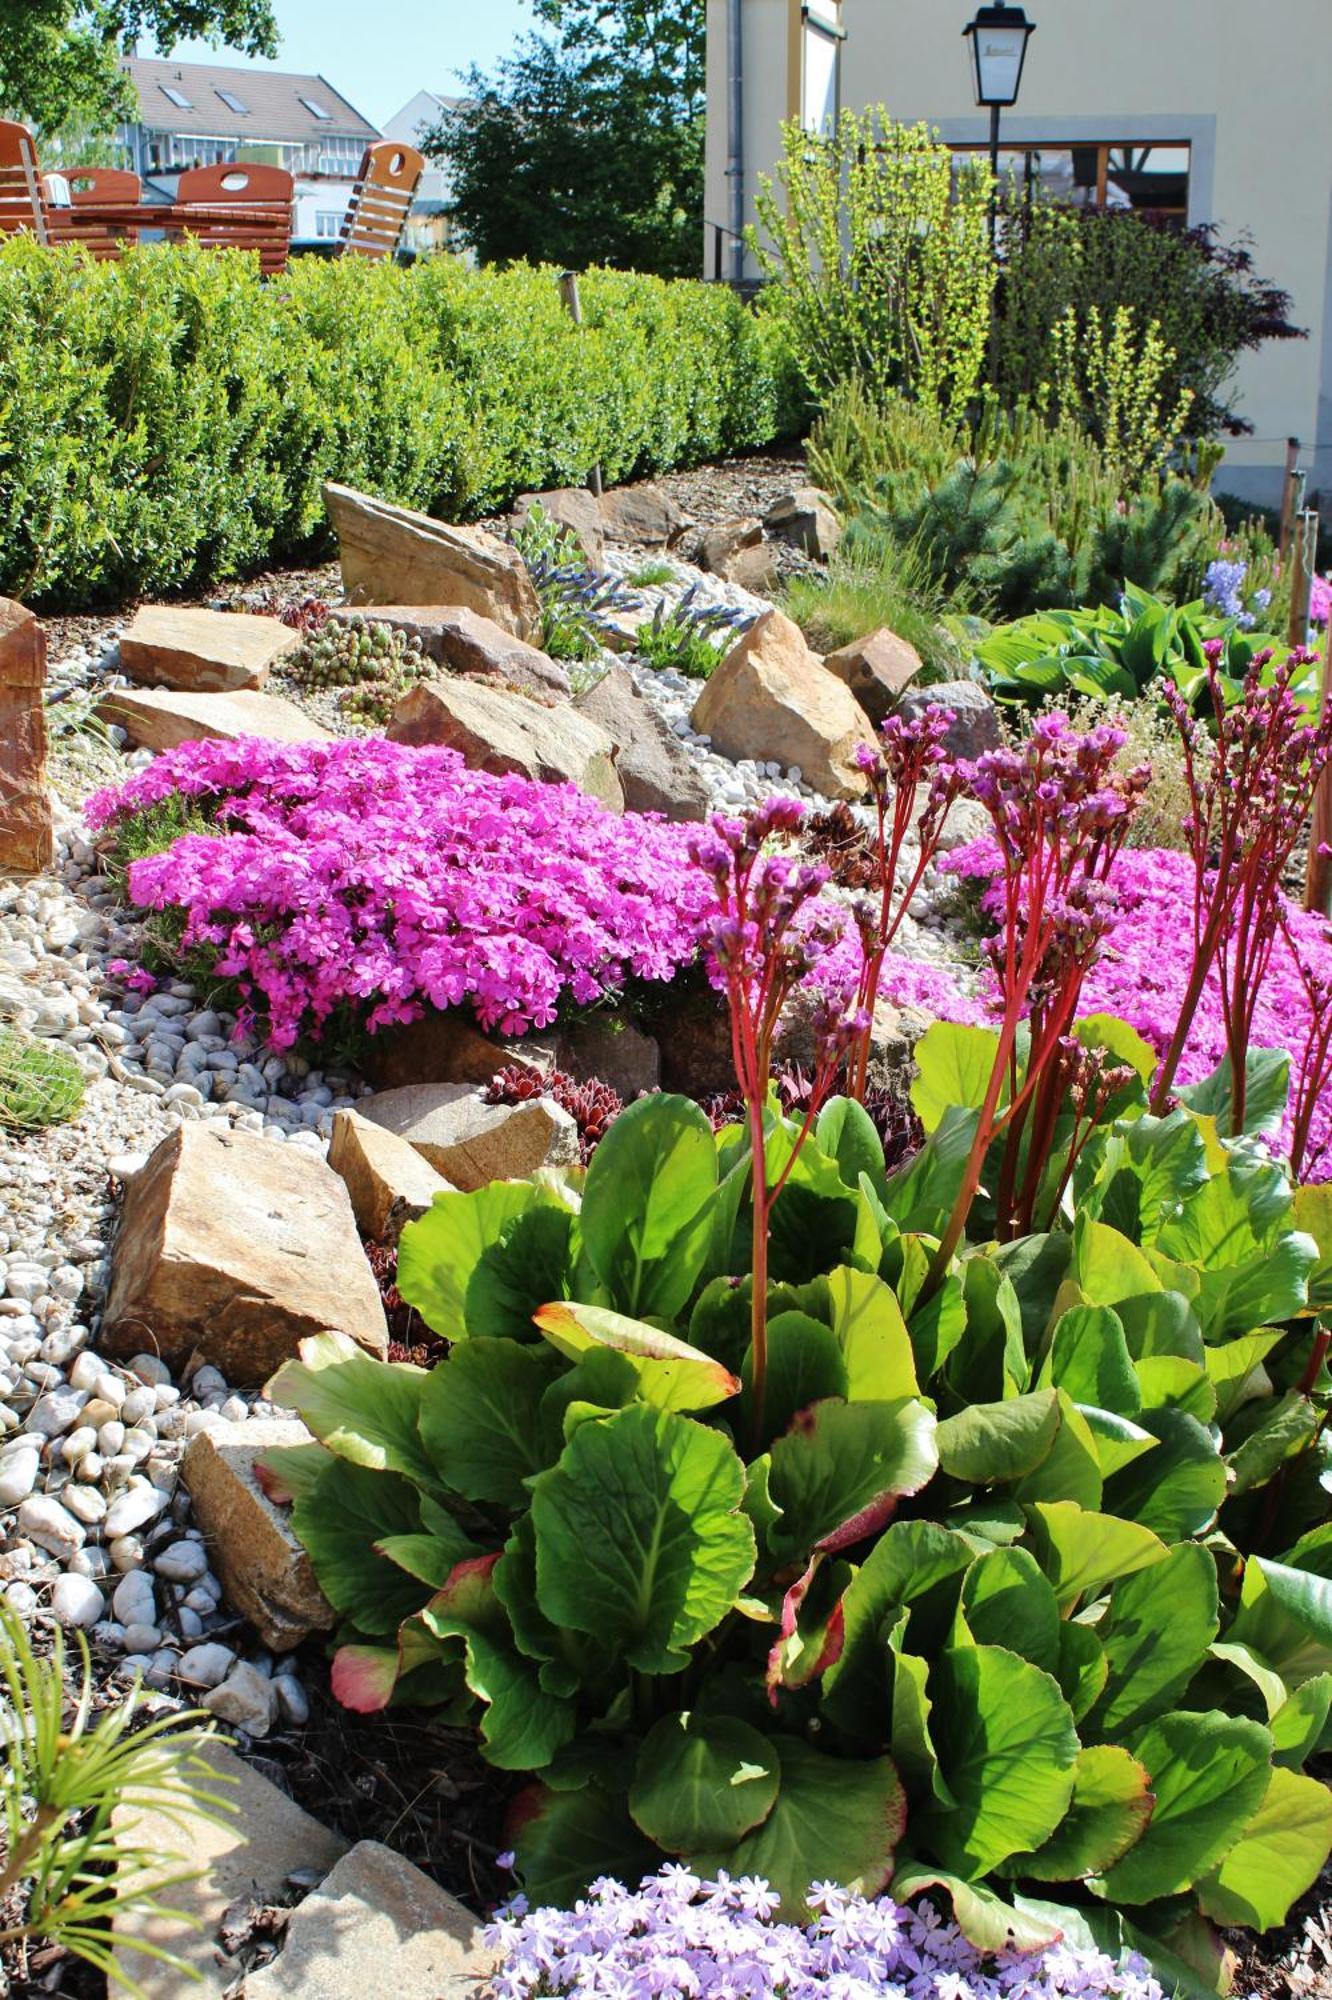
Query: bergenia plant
{"points": [[1251, 773]]}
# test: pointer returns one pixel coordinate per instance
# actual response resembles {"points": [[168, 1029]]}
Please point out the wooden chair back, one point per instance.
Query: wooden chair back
{"points": [[381, 201], [72, 205], [22, 198], [262, 198]]}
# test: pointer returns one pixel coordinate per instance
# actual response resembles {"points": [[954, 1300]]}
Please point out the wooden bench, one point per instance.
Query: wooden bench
{"points": [[381, 200], [77, 203], [234, 207], [22, 196]]}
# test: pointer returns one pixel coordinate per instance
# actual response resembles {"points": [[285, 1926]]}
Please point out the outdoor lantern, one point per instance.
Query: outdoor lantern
{"points": [[998, 38]]}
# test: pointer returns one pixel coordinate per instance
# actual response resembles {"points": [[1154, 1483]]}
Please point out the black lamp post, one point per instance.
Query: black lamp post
{"points": [[998, 38]]}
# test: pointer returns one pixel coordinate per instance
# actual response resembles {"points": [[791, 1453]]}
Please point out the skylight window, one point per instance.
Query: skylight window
{"points": [[178, 97], [315, 108], [234, 103]]}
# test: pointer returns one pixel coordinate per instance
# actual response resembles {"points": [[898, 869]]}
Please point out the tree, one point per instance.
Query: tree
{"points": [[587, 148], [60, 59]]}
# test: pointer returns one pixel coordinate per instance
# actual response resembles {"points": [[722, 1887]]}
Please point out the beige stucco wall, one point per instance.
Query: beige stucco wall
{"points": [[1249, 87]]}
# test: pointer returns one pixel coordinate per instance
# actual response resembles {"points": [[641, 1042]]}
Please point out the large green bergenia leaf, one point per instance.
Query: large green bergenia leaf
{"points": [[876, 1348], [921, 1194], [1209, 1775], [1090, 1361], [845, 1131], [532, 1263], [1107, 1267], [833, 1820], [340, 1521], [805, 1365], [954, 1064], [1155, 1636], [1267, 1088], [1285, 1615], [983, 1918], [1147, 1168], [1253, 1267], [916, 1563], [439, 1253], [1081, 1551], [639, 1535], [703, 1781], [1286, 1428], [1007, 1750], [672, 1375], [840, 1470], [481, 1419], [990, 1443], [563, 1840], [1176, 1489], [362, 1409], [1277, 1857], [1112, 1803], [1007, 1602], [522, 1726], [647, 1205]]}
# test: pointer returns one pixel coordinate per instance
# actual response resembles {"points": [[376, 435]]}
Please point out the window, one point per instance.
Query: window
{"points": [[234, 103], [315, 108], [328, 222], [1118, 175], [820, 80], [340, 157], [177, 97]]}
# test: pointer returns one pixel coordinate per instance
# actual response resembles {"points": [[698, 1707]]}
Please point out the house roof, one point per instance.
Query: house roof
{"points": [[277, 104], [427, 107]]}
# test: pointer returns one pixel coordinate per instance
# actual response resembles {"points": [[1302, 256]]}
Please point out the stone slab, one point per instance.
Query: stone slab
{"points": [[180, 646], [393, 555], [27, 827], [160, 718], [265, 1570], [471, 1142], [387, 1180]]}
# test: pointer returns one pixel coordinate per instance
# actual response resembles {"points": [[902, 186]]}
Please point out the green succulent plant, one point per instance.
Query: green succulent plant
{"points": [[372, 664]]}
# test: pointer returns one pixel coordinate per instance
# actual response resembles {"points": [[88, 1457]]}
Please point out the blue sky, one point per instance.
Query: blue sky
{"points": [[379, 52]]}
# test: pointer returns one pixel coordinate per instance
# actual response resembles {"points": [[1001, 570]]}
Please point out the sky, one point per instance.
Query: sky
{"points": [[378, 53]]}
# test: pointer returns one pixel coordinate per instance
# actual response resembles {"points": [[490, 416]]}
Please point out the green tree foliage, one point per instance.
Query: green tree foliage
{"points": [[586, 148], [60, 59]]}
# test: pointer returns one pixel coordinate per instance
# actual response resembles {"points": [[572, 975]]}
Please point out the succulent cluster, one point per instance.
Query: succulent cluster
{"points": [[592, 1104], [373, 664], [690, 637], [39, 1084]]}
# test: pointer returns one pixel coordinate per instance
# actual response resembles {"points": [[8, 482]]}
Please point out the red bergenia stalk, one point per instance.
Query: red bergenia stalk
{"points": [[1251, 778], [912, 751], [1313, 1067], [762, 957], [1060, 813]]}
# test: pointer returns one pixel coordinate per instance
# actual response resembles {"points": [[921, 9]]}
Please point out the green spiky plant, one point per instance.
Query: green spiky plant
{"points": [[66, 1870], [40, 1084]]}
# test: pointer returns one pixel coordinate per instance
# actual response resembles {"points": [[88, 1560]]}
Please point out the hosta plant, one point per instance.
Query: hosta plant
{"points": [[1017, 1590]]}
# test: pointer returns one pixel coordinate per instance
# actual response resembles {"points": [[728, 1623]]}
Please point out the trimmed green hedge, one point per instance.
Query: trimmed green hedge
{"points": [[168, 419]]}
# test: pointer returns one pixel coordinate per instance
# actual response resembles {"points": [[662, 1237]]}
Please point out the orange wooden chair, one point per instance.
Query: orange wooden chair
{"points": [[236, 207], [381, 201], [22, 196], [76, 205]]}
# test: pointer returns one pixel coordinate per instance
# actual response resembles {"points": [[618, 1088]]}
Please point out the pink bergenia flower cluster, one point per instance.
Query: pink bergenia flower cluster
{"points": [[679, 1937]]}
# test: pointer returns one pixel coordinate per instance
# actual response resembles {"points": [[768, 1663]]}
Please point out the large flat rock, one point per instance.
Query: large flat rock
{"points": [[471, 1142], [656, 772], [377, 1927], [387, 1180], [160, 718], [168, 645], [494, 730], [771, 697], [237, 1247], [254, 1550], [393, 555], [467, 643], [644, 513], [249, 1852]]}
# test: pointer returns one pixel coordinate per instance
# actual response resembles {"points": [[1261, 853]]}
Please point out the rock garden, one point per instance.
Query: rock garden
{"points": [[666, 1228]]}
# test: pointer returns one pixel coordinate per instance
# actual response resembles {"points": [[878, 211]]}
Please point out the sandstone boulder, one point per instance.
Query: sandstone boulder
{"points": [[807, 518], [772, 698], [573, 508], [254, 1549], [471, 1142], [203, 652], [160, 718], [449, 1047], [388, 1182], [27, 827], [876, 669], [497, 731], [736, 551], [467, 643], [392, 555], [237, 1247], [655, 770], [975, 727], [644, 513], [606, 1046], [377, 1925]]}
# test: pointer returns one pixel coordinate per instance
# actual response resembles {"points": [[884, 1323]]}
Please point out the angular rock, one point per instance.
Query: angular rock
{"points": [[807, 518], [975, 727], [247, 1852], [605, 1046], [772, 698], [377, 1925], [876, 669], [264, 1569], [203, 652], [237, 1247], [644, 513], [246, 1700], [655, 770], [388, 1181], [27, 827], [159, 719], [500, 732], [574, 508], [724, 539], [471, 1142], [694, 1036], [448, 1047], [392, 555], [466, 643]]}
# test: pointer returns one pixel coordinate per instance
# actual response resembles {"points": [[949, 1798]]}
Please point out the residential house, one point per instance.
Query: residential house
{"points": [[428, 226], [1213, 110], [200, 114]]}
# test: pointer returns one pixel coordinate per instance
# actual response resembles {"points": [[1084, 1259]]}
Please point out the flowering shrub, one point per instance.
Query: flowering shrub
{"points": [[678, 1936], [1225, 595]]}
